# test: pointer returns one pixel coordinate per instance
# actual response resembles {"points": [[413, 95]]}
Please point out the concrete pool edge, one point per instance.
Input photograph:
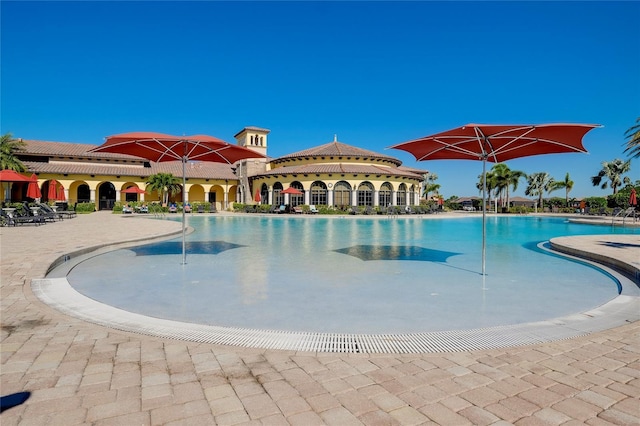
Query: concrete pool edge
{"points": [[609, 254], [57, 293]]}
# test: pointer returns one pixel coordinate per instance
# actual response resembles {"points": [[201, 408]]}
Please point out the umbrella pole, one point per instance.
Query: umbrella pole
{"points": [[184, 196], [484, 216]]}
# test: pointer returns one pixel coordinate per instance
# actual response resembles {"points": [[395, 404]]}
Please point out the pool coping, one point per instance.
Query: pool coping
{"points": [[623, 309]]}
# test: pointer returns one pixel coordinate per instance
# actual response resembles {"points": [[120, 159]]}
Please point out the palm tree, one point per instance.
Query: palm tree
{"points": [[429, 184], [613, 171], [538, 184], [490, 179], [633, 144], [567, 184], [8, 158], [503, 178], [164, 183]]}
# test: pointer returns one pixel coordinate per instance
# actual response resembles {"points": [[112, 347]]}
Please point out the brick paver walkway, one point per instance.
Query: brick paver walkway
{"points": [[79, 373]]}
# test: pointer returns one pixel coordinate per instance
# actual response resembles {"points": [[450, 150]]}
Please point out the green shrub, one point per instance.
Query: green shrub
{"points": [[83, 208], [596, 202]]}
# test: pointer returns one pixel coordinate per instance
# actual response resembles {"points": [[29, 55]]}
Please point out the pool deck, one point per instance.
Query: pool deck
{"points": [[81, 373]]}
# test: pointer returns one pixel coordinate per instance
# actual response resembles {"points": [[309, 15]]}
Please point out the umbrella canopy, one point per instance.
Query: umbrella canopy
{"points": [[292, 191], [159, 147], [33, 190], [12, 176], [633, 198], [133, 190], [258, 197], [497, 143], [52, 193]]}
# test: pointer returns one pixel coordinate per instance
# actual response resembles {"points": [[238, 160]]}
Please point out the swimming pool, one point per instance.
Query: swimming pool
{"points": [[351, 274]]}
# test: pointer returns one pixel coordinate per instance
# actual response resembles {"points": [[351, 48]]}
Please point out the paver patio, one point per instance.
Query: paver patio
{"points": [[80, 373]]}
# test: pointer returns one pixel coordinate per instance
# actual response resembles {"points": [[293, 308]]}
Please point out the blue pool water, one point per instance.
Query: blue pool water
{"points": [[351, 275]]}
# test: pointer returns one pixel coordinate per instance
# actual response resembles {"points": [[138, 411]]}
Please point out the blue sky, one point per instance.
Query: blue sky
{"points": [[374, 73]]}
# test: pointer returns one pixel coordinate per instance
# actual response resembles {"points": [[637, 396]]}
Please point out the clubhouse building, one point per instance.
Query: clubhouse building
{"points": [[333, 174]]}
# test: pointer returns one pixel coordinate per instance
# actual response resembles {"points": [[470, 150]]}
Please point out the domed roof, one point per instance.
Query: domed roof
{"points": [[337, 149]]}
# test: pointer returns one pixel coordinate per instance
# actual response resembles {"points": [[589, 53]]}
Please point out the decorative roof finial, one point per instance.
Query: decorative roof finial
{"points": [[335, 137]]}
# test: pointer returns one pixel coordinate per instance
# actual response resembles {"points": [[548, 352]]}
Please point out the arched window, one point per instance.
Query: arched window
{"points": [[278, 198], [318, 194], [365, 194], [385, 194], [342, 194], [401, 196], [296, 200]]}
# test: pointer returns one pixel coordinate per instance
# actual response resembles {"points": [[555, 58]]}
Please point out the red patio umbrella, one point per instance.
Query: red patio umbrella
{"points": [[159, 147], [52, 193], [133, 190], [33, 190], [258, 197], [11, 176], [633, 199], [497, 143], [292, 191], [60, 195]]}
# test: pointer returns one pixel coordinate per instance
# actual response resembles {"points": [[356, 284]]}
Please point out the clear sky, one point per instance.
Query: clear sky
{"points": [[374, 73]]}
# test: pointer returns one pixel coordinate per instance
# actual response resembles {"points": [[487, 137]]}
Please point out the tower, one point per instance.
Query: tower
{"points": [[255, 139]]}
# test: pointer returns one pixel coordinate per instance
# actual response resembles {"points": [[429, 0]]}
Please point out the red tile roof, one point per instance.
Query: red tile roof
{"points": [[338, 149]]}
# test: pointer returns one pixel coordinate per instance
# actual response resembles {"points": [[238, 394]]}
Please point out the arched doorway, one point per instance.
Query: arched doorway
{"points": [[318, 194], [106, 196], [342, 195]]}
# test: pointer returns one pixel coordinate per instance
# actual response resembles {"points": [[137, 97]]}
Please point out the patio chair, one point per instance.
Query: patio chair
{"points": [[45, 211], [282, 209], [274, 208], [200, 208], [312, 209], [21, 216], [212, 208], [298, 210], [173, 208]]}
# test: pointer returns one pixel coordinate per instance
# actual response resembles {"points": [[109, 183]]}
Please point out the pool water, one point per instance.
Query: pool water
{"points": [[351, 275]]}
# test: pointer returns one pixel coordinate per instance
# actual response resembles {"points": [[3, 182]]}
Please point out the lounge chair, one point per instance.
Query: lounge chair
{"points": [[46, 212], [143, 209], [298, 210], [312, 209], [200, 208], [282, 209], [274, 208], [212, 208], [21, 216], [187, 208], [126, 209], [173, 208]]}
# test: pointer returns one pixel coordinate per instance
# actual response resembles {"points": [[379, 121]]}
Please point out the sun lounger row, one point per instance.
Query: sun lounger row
{"points": [[36, 214]]}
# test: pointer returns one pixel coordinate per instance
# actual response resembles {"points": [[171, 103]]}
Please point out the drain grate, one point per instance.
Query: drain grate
{"points": [[57, 293]]}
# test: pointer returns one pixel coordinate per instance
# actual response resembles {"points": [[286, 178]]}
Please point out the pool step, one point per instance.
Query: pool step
{"points": [[57, 293]]}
